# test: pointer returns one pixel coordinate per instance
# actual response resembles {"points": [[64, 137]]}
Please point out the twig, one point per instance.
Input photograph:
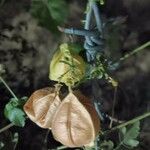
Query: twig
{"points": [[45, 139], [113, 107], [6, 127], [60, 148], [118, 146], [8, 88], [115, 120], [16, 143], [135, 51], [127, 123]]}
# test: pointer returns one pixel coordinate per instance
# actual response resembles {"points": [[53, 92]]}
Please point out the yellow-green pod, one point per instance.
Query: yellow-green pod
{"points": [[67, 66]]}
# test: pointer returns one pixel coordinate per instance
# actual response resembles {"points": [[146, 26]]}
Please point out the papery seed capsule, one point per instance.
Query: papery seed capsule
{"points": [[76, 122], [42, 105], [66, 66]]}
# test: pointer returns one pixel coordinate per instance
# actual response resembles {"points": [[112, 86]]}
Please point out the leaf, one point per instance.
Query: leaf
{"points": [[107, 145], [23, 100], [76, 122], [49, 13], [113, 66], [41, 106], [89, 148], [1, 144], [15, 137], [13, 112], [128, 135], [101, 2], [15, 115]]}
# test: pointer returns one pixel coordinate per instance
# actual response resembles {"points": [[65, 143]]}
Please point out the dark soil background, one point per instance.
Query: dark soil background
{"points": [[26, 50]]}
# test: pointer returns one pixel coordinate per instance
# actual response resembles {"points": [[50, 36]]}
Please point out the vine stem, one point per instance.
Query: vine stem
{"points": [[6, 127], [60, 148], [113, 107], [65, 147], [127, 123], [45, 139], [118, 147], [135, 51], [8, 88]]}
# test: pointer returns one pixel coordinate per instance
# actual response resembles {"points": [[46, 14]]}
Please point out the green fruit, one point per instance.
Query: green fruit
{"points": [[66, 66]]}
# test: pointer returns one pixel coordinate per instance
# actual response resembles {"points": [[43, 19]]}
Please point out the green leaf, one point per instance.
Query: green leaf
{"points": [[132, 143], [13, 111], [129, 134], [49, 13], [1, 144], [102, 2], [89, 148], [107, 145], [22, 101], [15, 137], [9, 141], [75, 48], [15, 115]]}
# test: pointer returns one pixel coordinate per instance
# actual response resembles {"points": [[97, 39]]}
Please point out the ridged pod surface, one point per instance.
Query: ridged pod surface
{"points": [[66, 67], [42, 105], [76, 122]]}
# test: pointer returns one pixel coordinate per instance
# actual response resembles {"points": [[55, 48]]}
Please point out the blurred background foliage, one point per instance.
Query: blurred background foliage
{"points": [[28, 38]]}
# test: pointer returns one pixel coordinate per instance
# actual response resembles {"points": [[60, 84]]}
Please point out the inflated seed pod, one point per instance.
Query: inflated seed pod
{"points": [[67, 66], [76, 122], [42, 105]]}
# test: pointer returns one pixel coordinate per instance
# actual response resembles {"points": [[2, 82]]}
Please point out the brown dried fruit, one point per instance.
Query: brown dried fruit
{"points": [[75, 123], [42, 105]]}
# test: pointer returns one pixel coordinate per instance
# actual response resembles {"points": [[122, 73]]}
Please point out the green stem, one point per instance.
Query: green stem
{"points": [[135, 51], [8, 88], [118, 147], [6, 127], [128, 123], [113, 106], [61, 147]]}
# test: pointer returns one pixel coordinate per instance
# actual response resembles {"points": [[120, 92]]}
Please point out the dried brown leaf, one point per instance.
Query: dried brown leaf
{"points": [[75, 122], [42, 105]]}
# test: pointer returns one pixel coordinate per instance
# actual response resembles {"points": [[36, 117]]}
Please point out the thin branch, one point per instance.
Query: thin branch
{"points": [[115, 120], [8, 88], [128, 123], [15, 146], [135, 51], [6, 127], [45, 139], [60, 148]]}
